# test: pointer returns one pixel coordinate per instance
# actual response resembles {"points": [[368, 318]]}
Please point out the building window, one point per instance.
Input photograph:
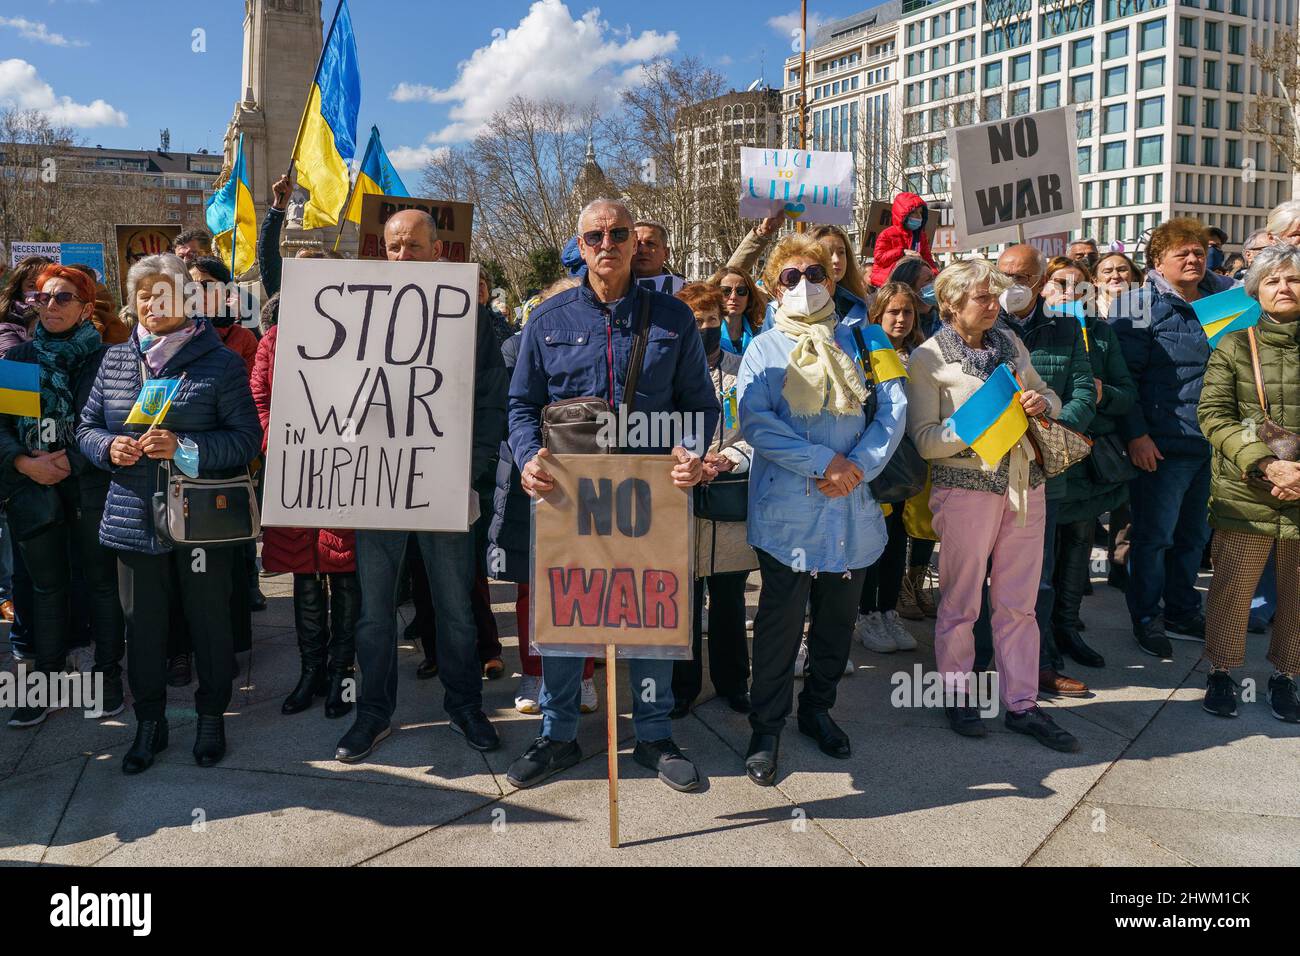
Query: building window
{"points": [[1211, 74], [916, 154], [1081, 53], [1049, 95], [1116, 44], [1150, 152], [1114, 118], [1233, 123], [1151, 112], [938, 183], [1233, 157], [1234, 78], [1151, 35], [1187, 70], [1187, 32], [1081, 88], [1083, 124], [1066, 18], [1234, 41], [1185, 149], [1112, 156], [1210, 118], [1151, 74], [966, 81], [1211, 36], [993, 74], [1020, 66], [1087, 194], [938, 150], [1209, 151], [1085, 160], [966, 17], [1115, 81], [1005, 38], [1049, 61], [1019, 102], [992, 107], [965, 49]]}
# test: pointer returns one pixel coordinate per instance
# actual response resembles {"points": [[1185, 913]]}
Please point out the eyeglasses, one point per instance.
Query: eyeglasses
{"points": [[596, 237], [45, 298], [1024, 278], [739, 291], [790, 277]]}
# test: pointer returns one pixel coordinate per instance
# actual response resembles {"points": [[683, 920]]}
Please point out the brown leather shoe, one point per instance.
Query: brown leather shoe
{"points": [[1050, 682], [7, 611]]}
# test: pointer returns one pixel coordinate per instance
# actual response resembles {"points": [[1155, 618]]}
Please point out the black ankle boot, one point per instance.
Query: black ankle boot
{"points": [[339, 682], [210, 741], [312, 683], [150, 739]]}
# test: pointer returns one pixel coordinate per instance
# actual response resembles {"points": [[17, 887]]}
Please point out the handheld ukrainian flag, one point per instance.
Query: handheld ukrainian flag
{"points": [[232, 218], [327, 135], [730, 408], [376, 177], [1225, 312], [884, 361], [20, 389], [992, 420], [154, 401], [1077, 311]]}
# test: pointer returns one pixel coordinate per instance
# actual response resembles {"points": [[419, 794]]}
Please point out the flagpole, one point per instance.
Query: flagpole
{"points": [[302, 123], [347, 203]]}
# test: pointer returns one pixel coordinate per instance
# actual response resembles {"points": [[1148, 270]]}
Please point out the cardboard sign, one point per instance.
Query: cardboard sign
{"points": [[611, 553], [808, 185], [880, 216], [372, 412], [944, 240], [455, 224], [1015, 173], [136, 242], [1054, 244]]}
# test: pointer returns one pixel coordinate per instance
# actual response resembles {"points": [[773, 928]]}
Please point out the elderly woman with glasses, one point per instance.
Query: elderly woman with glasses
{"points": [[209, 430], [55, 496], [1255, 483], [990, 516], [812, 519]]}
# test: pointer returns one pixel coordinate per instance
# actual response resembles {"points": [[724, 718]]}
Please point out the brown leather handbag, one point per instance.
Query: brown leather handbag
{"points": [[1057, 447], [1282, 442]]}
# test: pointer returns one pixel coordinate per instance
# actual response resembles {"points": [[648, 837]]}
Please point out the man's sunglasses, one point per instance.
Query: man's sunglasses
{"points": [[45, 298], [790, 277], [739, 291], [597, 236]]}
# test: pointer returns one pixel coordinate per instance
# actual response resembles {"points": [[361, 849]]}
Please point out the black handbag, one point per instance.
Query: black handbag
{"points": [[32, 510], [1109, 462], [205, 511], [905, 473], [572, 426], [725, 498]]}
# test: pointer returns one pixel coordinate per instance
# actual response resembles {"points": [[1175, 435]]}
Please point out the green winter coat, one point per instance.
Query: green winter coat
{"points": [[1085, 498], [1228, 410]]}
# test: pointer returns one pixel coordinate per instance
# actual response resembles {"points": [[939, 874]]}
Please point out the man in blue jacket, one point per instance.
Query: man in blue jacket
{"points": [[411, 236], [566, 352]]}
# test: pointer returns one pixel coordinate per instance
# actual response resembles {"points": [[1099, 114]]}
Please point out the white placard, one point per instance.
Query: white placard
{"points": [[372, 408], [803, 184], [18, 251], [1019, 171]]}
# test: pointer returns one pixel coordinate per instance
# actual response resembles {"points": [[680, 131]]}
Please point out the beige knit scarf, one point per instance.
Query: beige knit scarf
{"points": [[819, 375]]}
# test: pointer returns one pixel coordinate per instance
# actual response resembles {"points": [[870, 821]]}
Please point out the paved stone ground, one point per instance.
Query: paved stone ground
{"points": [[1158, 781]]}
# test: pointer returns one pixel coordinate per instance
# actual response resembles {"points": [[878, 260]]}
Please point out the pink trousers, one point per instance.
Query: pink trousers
{"points": [[979, 541]]}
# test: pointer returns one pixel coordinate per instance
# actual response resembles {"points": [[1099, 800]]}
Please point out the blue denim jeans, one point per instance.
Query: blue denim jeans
{"points": [[1170, 529], [562, 690], [449, 561], [1048, 655]]}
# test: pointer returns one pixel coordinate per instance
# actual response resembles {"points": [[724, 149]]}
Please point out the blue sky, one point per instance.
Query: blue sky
{"points": [[121, 70]]}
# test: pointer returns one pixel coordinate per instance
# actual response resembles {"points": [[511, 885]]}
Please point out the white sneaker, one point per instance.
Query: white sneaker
{"points": [[530, 688], [801, 660], [871, 631], [893, 626], [590, 703], [849, 667]]}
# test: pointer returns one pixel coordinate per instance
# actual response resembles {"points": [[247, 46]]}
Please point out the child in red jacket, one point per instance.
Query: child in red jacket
{"points": [[907, 234]]}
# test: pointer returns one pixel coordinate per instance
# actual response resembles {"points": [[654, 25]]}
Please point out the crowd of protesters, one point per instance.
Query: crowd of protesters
{"points": [[1194, 449]]}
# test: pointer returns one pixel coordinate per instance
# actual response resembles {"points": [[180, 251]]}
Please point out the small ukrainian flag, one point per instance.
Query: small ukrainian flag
{"points": [[20, 389], [992, 420], [884, 360], [1225, 312], [1080, 315], [154, 401], [730, 408]]}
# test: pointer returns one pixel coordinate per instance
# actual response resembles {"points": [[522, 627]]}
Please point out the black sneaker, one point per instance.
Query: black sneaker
{"points": [[28, 717], [1151, 637], [666, 758], [1042, 728], [256, 599], [358, 743], [966, 721], [1283, 699], [477, 730], [542, 759], [1192, 629], [1221, 694], [113, 702]]}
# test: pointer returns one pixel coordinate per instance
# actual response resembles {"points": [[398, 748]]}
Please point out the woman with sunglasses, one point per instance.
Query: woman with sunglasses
{"points": [[16, 316], [811, 516], [742, 309], [55, 496]]}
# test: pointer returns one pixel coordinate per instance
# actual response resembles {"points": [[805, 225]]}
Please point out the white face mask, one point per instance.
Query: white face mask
{"points": [[1016, 299], [807, 298]]}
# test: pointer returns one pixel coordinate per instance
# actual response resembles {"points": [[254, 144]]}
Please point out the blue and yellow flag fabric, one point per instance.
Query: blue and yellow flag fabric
{"points": [[1078, 312], [992, 420], [232, 218], [730, 408], [881, 361], [327, 137], [376, 177], [1225, 312], [154, 401], [20, 389]]}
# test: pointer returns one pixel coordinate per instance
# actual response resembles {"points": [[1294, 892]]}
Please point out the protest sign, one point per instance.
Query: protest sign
{"points": [[611, 558], [1015, 177], [880, 216], [136, 242], [1053, 244], [807, 185], [19, 251], [945, 240], [63, 253], [454, 220], [372, 414]]}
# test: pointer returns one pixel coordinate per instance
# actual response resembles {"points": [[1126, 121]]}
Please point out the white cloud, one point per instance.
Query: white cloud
{"points": [[787, 23], [408, 157], [548, 55], [37, 31], [22, 87]]}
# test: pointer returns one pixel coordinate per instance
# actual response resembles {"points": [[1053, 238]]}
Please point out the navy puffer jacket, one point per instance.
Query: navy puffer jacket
{"points": [[1166, 351], [213, 407]]}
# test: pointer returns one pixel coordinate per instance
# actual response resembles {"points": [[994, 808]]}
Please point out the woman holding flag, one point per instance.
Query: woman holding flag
{"points": [[202, 420], [970, 389], [55, 496]]}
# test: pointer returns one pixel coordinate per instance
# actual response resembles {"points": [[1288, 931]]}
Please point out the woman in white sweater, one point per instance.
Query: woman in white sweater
{"points": [[995, 513]]}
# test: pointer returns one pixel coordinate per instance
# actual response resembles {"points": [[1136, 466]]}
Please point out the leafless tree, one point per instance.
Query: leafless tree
{"points": [[1276, 117]]}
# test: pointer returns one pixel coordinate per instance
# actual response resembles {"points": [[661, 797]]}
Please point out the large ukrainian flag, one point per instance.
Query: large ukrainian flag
{"points": [[1225, 312], [881, 354], [992, 420], [327, 136], [232, 218], [376, 177], [20, 389]]}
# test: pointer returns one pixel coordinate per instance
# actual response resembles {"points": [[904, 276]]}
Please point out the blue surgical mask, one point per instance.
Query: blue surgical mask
{"points": [[927, 295], [913, 223]]}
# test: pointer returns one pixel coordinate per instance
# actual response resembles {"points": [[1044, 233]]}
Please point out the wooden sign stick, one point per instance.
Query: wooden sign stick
{"points": [[611, 732]]}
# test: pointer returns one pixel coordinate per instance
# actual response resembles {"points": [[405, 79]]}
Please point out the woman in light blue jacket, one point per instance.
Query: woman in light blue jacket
{"points": [[804, 405]]}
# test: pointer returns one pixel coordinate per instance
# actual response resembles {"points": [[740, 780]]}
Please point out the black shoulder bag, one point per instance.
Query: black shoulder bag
{"points": [[906, 471]]}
